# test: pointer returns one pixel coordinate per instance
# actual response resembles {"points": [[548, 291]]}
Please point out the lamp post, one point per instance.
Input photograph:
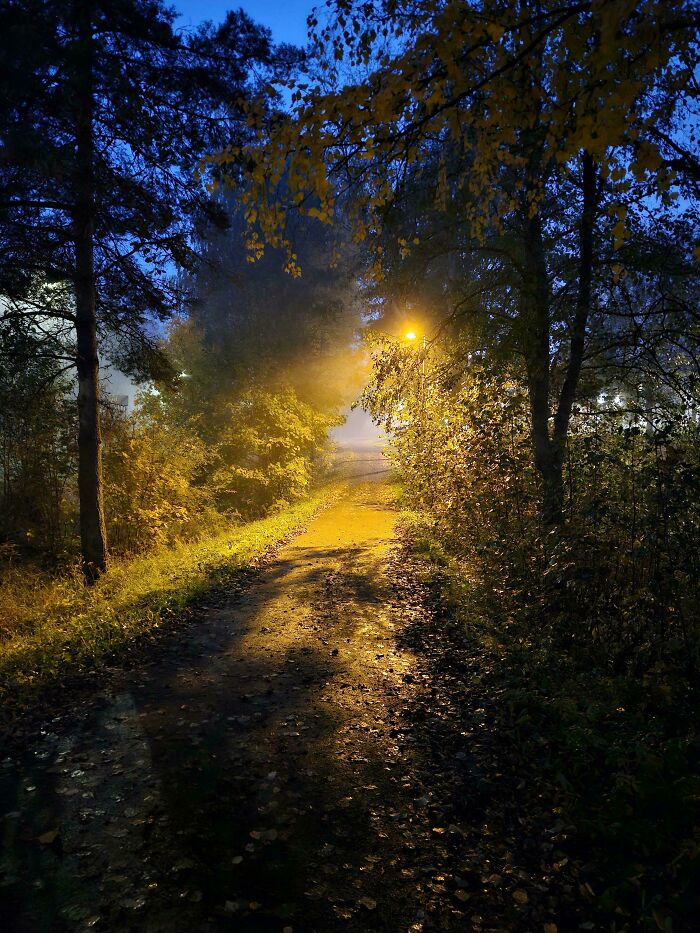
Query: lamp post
{"points": [[412, 336], [425, 455]]}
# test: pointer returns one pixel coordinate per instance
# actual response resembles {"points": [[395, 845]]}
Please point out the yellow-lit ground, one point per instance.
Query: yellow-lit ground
{"points": [[245, 779], [314, 752]]}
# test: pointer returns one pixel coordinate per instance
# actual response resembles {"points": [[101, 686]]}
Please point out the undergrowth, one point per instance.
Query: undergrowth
{"points": [[621, 750], [55, 627]]}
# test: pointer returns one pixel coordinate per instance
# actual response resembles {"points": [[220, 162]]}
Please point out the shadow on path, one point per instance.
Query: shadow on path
{"points": [[249, 778]]}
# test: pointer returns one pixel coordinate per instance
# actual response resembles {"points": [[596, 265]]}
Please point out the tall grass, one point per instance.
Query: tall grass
{"points": [[55, 627]]}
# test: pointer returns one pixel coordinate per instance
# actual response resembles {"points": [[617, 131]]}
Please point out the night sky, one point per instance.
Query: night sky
{"points": [[286, 18]]}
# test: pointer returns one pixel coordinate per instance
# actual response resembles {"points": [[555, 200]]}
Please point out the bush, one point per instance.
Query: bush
{"points": [[271, 447], [153, 489]]}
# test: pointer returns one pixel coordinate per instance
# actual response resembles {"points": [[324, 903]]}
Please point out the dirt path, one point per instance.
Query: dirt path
{"points": [[314, 753], [247, 780]]}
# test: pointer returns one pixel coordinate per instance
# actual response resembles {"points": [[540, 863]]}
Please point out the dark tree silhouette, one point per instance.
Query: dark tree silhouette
{"points": [[106, 112]]}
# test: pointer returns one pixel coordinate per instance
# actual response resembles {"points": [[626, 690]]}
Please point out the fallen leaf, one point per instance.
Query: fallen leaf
{"points": [[520, 896], [46, 839], [368, 902]]}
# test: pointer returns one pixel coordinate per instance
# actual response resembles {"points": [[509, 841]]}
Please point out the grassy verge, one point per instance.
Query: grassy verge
{"points": [[618, 752], [61, 628]]}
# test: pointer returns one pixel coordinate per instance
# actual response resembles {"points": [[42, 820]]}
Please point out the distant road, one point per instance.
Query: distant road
{"points": [[362, 460]]}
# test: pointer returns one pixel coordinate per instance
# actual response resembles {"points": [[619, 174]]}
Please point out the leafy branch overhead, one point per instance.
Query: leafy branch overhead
{"points": [[518, 91]]}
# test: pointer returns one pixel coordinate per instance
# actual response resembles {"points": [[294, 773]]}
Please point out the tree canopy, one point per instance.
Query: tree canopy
{"points": [[540, 137], [107, 112]]}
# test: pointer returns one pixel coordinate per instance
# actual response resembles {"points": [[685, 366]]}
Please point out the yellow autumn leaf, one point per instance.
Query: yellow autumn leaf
{"points": [[495, 31], [619, 232]]}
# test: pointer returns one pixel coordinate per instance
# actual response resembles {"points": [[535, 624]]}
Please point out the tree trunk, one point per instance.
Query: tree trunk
{"points": [[550, 446], [583, 302], [93, 537], [536, 320]]}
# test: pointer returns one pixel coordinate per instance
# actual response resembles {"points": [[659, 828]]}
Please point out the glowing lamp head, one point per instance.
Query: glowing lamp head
{"points": [[410, 335]]}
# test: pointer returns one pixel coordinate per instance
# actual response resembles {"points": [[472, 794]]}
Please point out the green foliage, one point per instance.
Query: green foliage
{"points": [[270, 449], [37, 448], [620, 577], [153, 489], [461, 441], [267, 362], [519, 95], [626, 573]]}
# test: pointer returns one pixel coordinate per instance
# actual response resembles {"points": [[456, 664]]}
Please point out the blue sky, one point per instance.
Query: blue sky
{"points": [[286, 18]]}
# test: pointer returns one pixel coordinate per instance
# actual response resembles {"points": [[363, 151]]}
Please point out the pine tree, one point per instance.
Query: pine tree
{"points": [[105, 115]]}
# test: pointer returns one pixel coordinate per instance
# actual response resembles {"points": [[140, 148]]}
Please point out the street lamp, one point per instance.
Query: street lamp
{"points": [[412, 336]]}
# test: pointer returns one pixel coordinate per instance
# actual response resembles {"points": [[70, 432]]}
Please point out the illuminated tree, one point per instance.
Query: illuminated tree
{"points": [[542, 128]]}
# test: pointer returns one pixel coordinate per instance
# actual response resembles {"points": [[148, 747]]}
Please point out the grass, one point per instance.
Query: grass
{"points": [[55, 628]]}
